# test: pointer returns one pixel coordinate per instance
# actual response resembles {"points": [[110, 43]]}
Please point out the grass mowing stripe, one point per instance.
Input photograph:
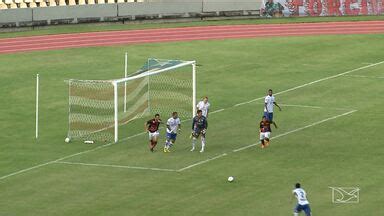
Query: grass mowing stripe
{"points": [[288, 90], [361, 76]]}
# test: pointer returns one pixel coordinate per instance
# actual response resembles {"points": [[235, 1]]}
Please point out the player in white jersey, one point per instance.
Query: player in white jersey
{"points": [[203, 105], [173, 126], [269, 102], [302, 202]]}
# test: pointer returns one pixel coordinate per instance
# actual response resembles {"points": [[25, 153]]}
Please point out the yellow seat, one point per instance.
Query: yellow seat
{"points": [[43, 4], [52, 3], [62, 3], [13, 5], [3, 6], [100, 1], [23, 5], [111, 1], [82, 2], [120, 1], [71, 2], [32, 4]]}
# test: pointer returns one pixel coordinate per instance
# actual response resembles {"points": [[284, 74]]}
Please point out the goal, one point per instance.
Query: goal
{"points": [[102, 109]]}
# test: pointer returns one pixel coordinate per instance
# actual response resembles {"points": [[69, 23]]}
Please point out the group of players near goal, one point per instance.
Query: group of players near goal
{"points": [[199, 128], [200, 125]]}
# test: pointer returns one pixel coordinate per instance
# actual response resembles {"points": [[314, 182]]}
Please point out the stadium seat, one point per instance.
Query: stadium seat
{"points": [[62, 3], [43, 4], [91, 2], [11, 4], [32, 4], [82, 2], [52, 3], [111, 1], [120, 1], [100, 1], [71, 2], [3, 6], [23, 5]]}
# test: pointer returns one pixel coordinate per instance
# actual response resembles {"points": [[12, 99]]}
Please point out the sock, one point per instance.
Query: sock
{"points": [[170, 144], [202, 143], [193, 142], [166, 144]]}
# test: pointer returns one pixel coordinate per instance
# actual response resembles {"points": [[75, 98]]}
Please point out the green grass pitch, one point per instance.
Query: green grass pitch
{"points": [[330, 132]]}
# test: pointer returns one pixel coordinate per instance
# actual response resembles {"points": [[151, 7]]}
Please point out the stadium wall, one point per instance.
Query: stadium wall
{"points": [[127, 11]]}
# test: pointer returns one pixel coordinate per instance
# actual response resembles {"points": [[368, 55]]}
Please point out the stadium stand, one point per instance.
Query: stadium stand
{"points": [[13, 4]]}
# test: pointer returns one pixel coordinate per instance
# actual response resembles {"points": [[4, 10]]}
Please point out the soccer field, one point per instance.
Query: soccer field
{"points": [[330, 89]]}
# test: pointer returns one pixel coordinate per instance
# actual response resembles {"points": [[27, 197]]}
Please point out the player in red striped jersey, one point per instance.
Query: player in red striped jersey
{"points": [[152, 127]]}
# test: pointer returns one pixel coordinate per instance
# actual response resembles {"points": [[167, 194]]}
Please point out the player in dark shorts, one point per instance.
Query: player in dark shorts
{"points": [[152, 127], [199, 127]]}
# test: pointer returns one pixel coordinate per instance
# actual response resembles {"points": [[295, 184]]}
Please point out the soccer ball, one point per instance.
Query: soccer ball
{"points": [[231, 179], [67, 140]]}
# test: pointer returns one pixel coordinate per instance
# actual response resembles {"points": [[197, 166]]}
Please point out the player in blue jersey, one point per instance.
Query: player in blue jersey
{"points": [[173, 126], [302, 202], [199, 127]]}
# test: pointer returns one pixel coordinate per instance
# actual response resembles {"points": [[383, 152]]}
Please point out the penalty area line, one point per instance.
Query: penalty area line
{"points": [[202, 162], [313, 82], [299, 129], [216, 111], [114, 166]]}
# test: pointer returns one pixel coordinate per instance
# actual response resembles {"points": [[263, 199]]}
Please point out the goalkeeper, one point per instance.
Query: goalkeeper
{"points": [[199, 127]]}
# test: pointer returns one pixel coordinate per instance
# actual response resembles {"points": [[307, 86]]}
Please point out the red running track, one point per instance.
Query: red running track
{"points": [[61, 41]]}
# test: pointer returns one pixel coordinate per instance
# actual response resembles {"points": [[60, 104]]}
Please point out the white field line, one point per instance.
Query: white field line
{"points": [[216, 111], [361, 76], [115, 166], [25, 170], [299, 129], [247, 102], [313, 82], [310, 106], [202, 162]]}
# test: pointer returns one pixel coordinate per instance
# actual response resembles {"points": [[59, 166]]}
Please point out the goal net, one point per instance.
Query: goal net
{"points": [[109, 109]]}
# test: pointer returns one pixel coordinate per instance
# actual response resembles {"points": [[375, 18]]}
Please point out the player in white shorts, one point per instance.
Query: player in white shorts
{"points": [[173, 126]]}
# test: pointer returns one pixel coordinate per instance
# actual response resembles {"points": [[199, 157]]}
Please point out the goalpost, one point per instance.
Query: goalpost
{"points": [[99, 108]]}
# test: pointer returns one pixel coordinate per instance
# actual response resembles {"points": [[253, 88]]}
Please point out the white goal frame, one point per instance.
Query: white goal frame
{"points": [[124, 80]]}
